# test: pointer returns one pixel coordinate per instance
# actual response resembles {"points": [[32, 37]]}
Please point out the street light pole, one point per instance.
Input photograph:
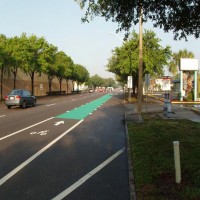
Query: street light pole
{"points": [[140, 71]]}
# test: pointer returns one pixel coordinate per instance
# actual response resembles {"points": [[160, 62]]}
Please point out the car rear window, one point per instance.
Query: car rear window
{"points": [[16, 92]]}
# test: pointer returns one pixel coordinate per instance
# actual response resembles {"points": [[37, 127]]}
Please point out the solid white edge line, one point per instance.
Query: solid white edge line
{"points": [[87, 176], [17, 169], [2, 138]]}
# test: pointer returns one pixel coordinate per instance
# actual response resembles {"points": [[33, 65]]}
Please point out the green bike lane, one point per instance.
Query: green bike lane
{"points": [[84, 110]]}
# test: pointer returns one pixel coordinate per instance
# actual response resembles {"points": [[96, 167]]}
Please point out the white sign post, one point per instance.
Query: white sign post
{"points": [[130, 85], [130, 82], [166, 84]]}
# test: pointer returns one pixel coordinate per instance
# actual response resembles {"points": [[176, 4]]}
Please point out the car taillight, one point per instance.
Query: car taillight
{"points": [[6, 97], [18, 97]]}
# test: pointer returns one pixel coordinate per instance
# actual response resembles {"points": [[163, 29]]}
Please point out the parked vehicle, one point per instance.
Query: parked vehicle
{"points": [[21, 98]]}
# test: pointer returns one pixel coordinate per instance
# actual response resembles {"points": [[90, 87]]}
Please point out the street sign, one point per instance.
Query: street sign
{"points": [[147, 80], [130, 81], [188, 64], [166, 84]]}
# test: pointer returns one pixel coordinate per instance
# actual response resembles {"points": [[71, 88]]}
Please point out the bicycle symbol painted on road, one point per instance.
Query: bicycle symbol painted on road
{"points": [[40, 133]]}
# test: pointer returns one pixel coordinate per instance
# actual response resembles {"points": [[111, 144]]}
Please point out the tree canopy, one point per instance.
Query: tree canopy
{"points": [[96, 81], [179, 16], [81, 74], [32, 54], [124, 61], [174, 64]]}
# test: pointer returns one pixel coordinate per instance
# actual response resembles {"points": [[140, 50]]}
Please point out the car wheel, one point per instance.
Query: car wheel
{"points": [[9, 107], [24, 105], [34, 103]]}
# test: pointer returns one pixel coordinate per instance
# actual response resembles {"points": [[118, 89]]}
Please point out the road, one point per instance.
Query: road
{"points": [[68, 147]]}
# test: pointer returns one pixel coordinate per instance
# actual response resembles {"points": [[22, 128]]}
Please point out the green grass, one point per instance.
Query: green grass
{"points": [[151, 144]]}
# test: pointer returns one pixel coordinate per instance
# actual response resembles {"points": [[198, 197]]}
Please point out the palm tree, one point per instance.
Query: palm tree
{"points": [[174, 68], [174, 65]]}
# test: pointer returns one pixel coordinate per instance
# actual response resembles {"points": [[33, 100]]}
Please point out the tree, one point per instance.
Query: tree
{"points": [[35, 55], [48, 66], [69, 71], [4, 60], [62, 63], [110, 82], [16, 50], [124, 61], [96, 81], [174, 68], [174, 64], [179, 16], [81, 75]]}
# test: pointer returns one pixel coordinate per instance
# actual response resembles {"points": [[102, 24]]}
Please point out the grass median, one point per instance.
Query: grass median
{"points": [[151, 144]]}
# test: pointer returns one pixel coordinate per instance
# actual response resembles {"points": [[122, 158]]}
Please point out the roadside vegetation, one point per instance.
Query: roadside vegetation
{"points": [[151, 144], [34, 56]]}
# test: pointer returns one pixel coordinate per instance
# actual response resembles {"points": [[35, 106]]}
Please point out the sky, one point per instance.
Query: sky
{"points": [[88, 44]]}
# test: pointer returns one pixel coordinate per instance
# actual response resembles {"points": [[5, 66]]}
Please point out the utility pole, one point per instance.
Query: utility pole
{"points": [[140, 71]]}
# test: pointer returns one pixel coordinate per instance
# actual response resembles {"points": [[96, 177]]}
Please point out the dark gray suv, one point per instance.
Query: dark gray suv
{"points": [[21, 98]]}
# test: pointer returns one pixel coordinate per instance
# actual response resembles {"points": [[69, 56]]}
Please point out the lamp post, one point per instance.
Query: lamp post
{"points": [[140, 70]]}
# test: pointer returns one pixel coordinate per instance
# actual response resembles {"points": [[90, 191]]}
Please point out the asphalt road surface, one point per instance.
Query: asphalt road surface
{"points": [[68, 147]]}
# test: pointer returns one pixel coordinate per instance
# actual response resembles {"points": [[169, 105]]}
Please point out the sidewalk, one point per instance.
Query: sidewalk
{"points": [[178, 111]]}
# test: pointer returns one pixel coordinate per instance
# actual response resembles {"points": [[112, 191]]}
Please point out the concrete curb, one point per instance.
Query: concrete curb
{"points": [[130, 168]]}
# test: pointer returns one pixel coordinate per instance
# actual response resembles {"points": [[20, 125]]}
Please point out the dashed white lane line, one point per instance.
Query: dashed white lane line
{"points": [[2, 138], [17, 169], [2, 116], [87, 176], [52, 104]]}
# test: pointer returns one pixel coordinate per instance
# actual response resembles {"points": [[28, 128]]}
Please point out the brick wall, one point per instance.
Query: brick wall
{"points": [[41, 85]]}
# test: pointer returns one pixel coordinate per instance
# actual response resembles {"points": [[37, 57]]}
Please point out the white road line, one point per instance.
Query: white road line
{"points": [[87, 176], [2, 116], [17, 169], [53, 104], [25, 129]]}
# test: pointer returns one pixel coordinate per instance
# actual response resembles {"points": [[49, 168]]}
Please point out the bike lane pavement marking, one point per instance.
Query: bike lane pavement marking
{"points": [[84, 110], [2, 138], [26, 162], [87, 176]]}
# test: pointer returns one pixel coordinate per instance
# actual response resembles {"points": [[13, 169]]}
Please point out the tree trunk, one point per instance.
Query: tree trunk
{"points": [[49, 81], [2, 83], [32, 82], [67, 86], [14, 84], [73, 85], [60, 81]]}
